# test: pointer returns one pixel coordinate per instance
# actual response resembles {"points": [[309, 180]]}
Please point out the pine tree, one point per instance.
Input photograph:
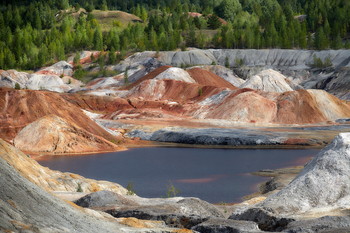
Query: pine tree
{"points": [[144, 14], [97, 39], [214, 22], [37, 21], [302, 40], [337, 43], [104, 5], [76, 59], [321, 41], [63, 4], [229, 8]]}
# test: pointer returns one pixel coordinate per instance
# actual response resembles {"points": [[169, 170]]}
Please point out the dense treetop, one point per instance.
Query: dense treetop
{"points": [[35, 33]]}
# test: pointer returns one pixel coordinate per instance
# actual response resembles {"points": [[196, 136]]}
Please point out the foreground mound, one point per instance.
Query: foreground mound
{"points": [[55, 135], [27, 208], [322, 189], [324, 182], [52, 180]]}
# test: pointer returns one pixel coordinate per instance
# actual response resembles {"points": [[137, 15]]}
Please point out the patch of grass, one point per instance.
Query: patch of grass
{"points": [[108, 19], [87, 76], [208, 33]]}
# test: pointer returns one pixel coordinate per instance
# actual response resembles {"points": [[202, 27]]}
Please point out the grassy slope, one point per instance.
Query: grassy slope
{"points": [[107, 18]]}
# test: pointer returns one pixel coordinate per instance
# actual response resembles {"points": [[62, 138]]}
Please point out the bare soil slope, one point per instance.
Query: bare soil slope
{"points": [[19, 108], [55, 135]]}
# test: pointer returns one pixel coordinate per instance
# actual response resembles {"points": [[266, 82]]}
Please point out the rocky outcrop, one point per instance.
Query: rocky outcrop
{"points": [[103, 198], [225, 73], [293, 59], [226, 225], [55, 78], [9, 78], [175, 212], [59, 68], [52, 134], [338, 83], [47, 82], [327, 224], [268, 81]]}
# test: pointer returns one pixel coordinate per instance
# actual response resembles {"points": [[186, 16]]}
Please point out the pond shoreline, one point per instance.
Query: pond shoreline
{"points": [[153, 168]]}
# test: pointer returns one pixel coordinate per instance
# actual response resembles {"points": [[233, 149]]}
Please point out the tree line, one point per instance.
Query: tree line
{"points": [[35, 33]]}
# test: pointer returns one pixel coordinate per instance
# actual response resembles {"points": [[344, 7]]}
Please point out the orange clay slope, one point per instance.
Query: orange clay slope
{"points": [[18, 108]]}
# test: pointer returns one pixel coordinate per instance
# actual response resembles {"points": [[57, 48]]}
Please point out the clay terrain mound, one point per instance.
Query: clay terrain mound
{"points": [[151, 75], [175, 84], [242, 105], [18, 108], [310, 106], [98, 104], [207, 78], [268, 81], [294, 107], [52, 134]]}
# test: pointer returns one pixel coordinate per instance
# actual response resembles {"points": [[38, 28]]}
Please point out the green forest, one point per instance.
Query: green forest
{"points": [[36, 33]]}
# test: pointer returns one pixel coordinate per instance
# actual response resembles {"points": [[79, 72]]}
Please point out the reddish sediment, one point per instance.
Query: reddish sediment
{"points": [[21, 107]]}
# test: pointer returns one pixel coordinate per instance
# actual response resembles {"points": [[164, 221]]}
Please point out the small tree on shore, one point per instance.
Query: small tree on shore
{"points": [[126, 77]]}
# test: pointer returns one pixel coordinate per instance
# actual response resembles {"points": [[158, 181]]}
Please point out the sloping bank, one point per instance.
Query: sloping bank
{"points": [[245, 137]]}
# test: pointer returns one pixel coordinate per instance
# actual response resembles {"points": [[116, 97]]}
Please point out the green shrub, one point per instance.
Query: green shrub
{"points": [[17, 86], [239, 62], [200, 91], [172, 191], [227, 62], [130, 188], [79, 189], [319, 63], [79, 73]]}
